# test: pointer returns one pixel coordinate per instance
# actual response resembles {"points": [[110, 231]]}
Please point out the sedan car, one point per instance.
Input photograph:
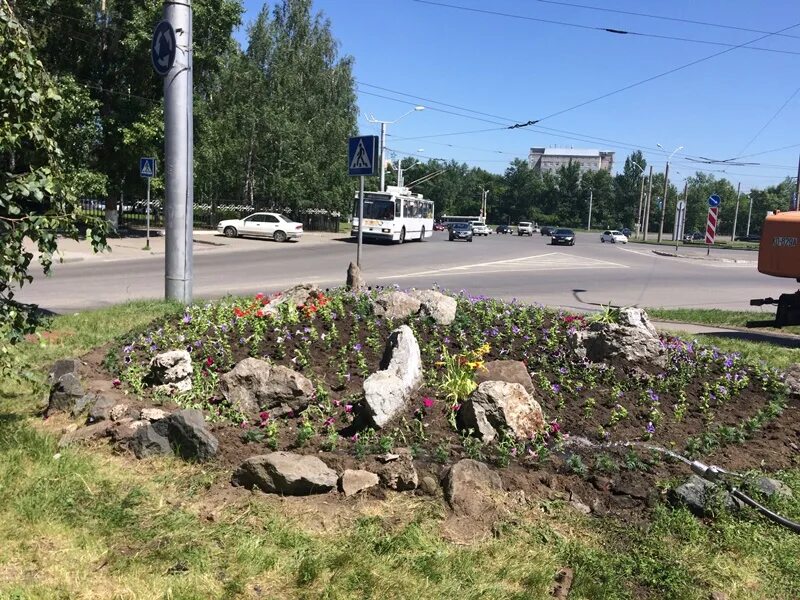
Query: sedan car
{"points": [[564, 237], [461, 231], [547, 229], [613, 236], [272, 225], [693, 237], [439, 227], [479, 228], [503, 229]]}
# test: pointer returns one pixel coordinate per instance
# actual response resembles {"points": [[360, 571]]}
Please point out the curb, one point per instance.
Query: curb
{"points": [[717, 259]]}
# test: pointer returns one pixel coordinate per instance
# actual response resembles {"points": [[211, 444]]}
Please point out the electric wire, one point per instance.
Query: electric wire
{"points": [[770, 120]]}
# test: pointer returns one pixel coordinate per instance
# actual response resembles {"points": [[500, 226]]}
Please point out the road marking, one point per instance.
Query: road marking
{"points": [[719, 263], [538, 262]]}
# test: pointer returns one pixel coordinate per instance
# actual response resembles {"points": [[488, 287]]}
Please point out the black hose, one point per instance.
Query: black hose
{"points": [[774, 517]]}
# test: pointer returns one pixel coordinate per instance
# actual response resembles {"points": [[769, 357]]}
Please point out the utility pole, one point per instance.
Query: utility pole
{"points": [[797, 189], [647, 204], [749, 212], [664, 202], [639, 214], [736, 214], [383, 152], [179, 155], [589, 226], [682, 224]]}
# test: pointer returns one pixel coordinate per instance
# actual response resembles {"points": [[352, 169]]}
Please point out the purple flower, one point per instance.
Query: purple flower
{"points": [[515, 330], [187, 318], [357, 347], [556, 388], [348, 408], [651, 429], [128, 349], [223, 328], [198, 343]]}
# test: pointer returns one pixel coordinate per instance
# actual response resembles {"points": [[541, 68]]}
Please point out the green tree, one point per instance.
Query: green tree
{"points": [[772, 198], [37, 195]]}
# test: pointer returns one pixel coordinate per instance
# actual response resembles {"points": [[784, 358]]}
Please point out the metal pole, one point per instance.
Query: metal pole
{"points": [[360, 220], [383, 153], [736, 214], [639, 214], [663, 203], [178, 151], [682, 230], [589, 226], [147, 243], [797, 189], [649, 201], [749, 212]]}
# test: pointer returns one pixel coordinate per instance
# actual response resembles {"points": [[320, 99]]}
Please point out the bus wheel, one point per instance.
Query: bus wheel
{"points": [[422, 234], [402, 235]]}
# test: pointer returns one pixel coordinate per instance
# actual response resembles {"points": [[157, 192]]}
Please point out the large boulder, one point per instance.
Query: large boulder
{"points": [[441, 307], [100, 410], [285, 473], [188, 435], [255, 385], [701, 497], [387, 391], [298, 295], [631, 338], [65, 393], [496, 406], [792, 379], [355, 281], [395, 305], [89, 433], [171, 371], [469, 487], [61, 367], [510, 371], [147, 441]]}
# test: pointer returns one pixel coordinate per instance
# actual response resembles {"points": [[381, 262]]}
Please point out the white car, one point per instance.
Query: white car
{"points": [[479, 228], [613, 236], [524, 228], [272, 225]]}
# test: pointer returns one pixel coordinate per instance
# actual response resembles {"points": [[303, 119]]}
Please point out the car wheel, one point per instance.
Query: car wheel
{"points": [[402, 235], [451, 238], [469, 239], [602, 240], [230, 232], [422, 234], [279, 236], [572, 244]]}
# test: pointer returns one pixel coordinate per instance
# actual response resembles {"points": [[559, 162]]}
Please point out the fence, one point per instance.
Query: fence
{"points": [[135, 215]]}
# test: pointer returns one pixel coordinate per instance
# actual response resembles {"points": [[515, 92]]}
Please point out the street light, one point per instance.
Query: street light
{"points": [[372, 119], [666, 183], [641, 196]]}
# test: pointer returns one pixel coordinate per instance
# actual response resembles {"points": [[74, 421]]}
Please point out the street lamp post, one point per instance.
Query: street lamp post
{"points": [[641, 196], [589, 224], [666, 189], [372, 119]]}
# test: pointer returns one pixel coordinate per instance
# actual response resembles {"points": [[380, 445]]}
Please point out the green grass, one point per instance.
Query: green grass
{"points": [[83, 523], [755, 321], [719, 244]]}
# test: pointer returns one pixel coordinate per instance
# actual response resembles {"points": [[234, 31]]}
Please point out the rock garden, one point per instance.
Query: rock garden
{"points": [[488, 405]]}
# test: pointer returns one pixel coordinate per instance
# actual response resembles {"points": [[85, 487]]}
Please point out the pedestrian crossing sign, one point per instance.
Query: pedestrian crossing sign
{"points": [[362, 155], [147, 167]]}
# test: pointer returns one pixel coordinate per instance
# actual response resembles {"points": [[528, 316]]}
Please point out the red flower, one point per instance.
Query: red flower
{"points": [[239, 312], [259, 313], [259, 296], [209, 361]]}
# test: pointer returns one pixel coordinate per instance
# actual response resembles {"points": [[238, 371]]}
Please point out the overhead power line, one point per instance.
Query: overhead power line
{"points": [[769, 121], [611, 30]]}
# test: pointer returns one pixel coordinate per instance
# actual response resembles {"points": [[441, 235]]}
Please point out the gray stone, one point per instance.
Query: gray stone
{"points": [[298, 295], [772, 487], [89, 433], [255, 385], [387, 391], [632, 339], [123, 430], [83, 404], [153, 414], [171, 371], [441, 307], [286, 473], [118, 412], [354, 481], [400, 474], [148, 442], [701, 497], [355, 281], [510, 371], [65, 393], [429, 485], [61, 367], [496, 406], [101, 409], [395, 305], [792, 379], [189, 436], [469, 487]]}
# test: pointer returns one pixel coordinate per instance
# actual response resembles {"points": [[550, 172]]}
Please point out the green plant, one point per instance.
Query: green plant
{"points": [[576, 465], [608, 314], [306, 431], [473, 446]]}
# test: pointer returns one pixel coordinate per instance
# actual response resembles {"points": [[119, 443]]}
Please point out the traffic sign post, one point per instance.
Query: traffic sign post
{"points": [[362, 154], [711, 223], [680, 215], [163, 47], [147, 169]]}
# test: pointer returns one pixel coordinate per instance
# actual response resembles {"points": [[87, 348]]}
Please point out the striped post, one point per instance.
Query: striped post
{"points": [[711, 224]]}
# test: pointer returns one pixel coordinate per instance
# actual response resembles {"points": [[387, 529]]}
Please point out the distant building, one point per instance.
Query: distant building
{"points": [[549, 160]]}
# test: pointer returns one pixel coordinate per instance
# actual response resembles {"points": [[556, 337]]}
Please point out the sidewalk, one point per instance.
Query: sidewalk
{"points": [[132, 245]]}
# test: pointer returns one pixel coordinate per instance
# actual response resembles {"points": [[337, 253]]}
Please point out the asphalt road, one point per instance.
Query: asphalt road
{"points": [[505, 266]]}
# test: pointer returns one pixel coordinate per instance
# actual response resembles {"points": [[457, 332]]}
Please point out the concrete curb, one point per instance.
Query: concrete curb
{"points": [[710, 258]]}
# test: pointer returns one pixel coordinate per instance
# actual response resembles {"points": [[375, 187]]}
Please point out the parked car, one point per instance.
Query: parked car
{"points": [[748, 238], [524, 228], [613, 236], [694, 237], [439, 226], [626, 232], [273, 225], [479, 228], [564, 237], [461, 231], [503, 229], [547, 229]]}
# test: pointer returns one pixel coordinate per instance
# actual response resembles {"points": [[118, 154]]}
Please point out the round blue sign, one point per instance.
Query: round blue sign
{"points": [[714, 201], [162, 50]]}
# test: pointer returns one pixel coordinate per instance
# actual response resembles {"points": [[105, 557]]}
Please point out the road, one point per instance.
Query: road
{"points": [[505, 266]]}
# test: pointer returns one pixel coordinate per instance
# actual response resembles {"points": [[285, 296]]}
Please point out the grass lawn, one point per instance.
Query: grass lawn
{"points": [[756, 321], [719, 244], [87, 523]]}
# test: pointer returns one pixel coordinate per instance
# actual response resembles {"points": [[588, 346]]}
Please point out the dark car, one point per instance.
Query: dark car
{"points": [[564, 237], [461, 231], [547, 230], [626, 232], [693, 237], [439, 227], [503, 229], [748, 238]]}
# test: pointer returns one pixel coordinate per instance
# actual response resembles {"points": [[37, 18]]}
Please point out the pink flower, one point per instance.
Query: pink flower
{"points": [[328, 422], [555, 427], [116, 383], [348, 408], [263, 415], [427, 402]]}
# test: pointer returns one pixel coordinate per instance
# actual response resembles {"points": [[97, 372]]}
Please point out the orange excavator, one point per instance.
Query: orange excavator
{"points": [[779, 256]]}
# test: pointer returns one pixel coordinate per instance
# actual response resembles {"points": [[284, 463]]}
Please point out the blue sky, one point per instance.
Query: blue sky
{"points": [[522, 70]]}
